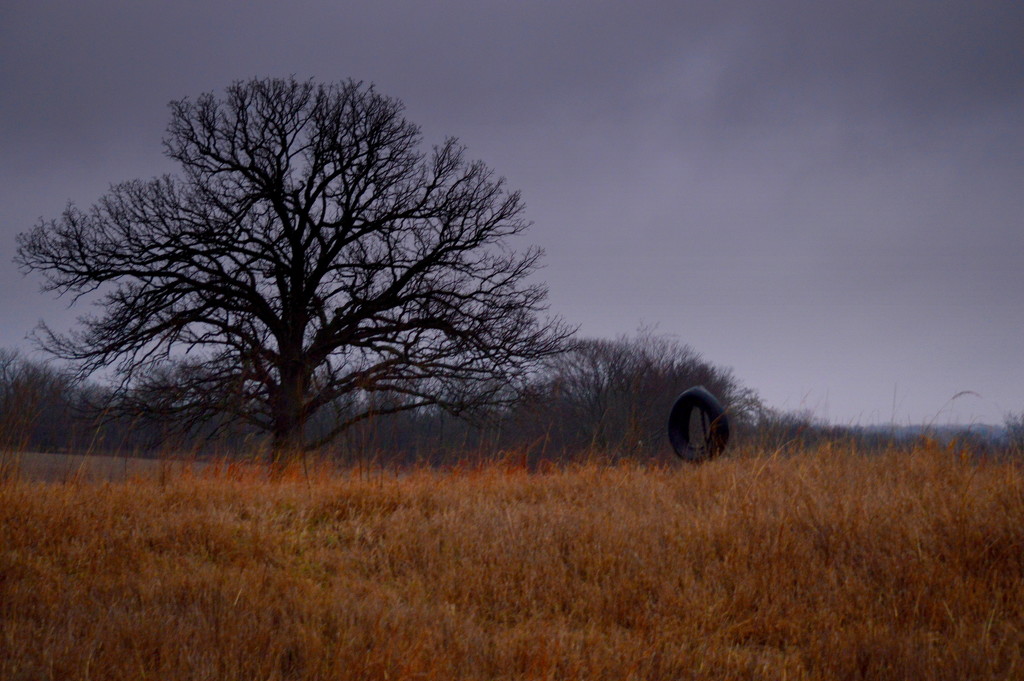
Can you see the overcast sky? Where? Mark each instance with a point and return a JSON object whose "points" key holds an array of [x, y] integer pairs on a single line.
{"points": [[826, 196]]}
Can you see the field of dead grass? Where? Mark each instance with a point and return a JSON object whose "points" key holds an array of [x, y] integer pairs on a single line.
{"points": [[828, 565]]}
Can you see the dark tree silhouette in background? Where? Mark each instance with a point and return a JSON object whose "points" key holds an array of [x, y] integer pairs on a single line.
{"points": [[33, 397], [617, 394], [309, 256]]}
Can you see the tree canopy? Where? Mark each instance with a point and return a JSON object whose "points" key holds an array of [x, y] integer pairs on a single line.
{"points": [[310, 255]]}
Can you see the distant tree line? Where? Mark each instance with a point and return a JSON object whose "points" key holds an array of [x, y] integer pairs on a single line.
{"points": [[607, 397], [603, 398]]}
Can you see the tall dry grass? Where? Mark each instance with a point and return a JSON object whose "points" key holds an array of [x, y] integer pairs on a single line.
{"points": [[828, 565]]}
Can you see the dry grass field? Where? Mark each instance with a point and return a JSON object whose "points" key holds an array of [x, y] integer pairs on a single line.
{"points": [[826, 565]]}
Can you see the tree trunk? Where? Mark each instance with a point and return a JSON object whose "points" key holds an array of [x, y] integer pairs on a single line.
{"points": [[286, 442], [288, 437]]}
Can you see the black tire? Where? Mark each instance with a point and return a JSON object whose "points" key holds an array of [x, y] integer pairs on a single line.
{"points": [[704, 439]]}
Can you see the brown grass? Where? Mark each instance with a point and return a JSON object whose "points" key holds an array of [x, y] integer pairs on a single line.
{"points": [[824, 566]]}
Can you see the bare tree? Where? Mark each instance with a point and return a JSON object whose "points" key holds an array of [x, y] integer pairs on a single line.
{"points": [[36, 403], [309, 254], [617, 394]]}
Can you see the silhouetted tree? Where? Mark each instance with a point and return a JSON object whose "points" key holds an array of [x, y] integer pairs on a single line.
{"points": [[309, 254], [617, 394], [37, 403]]}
